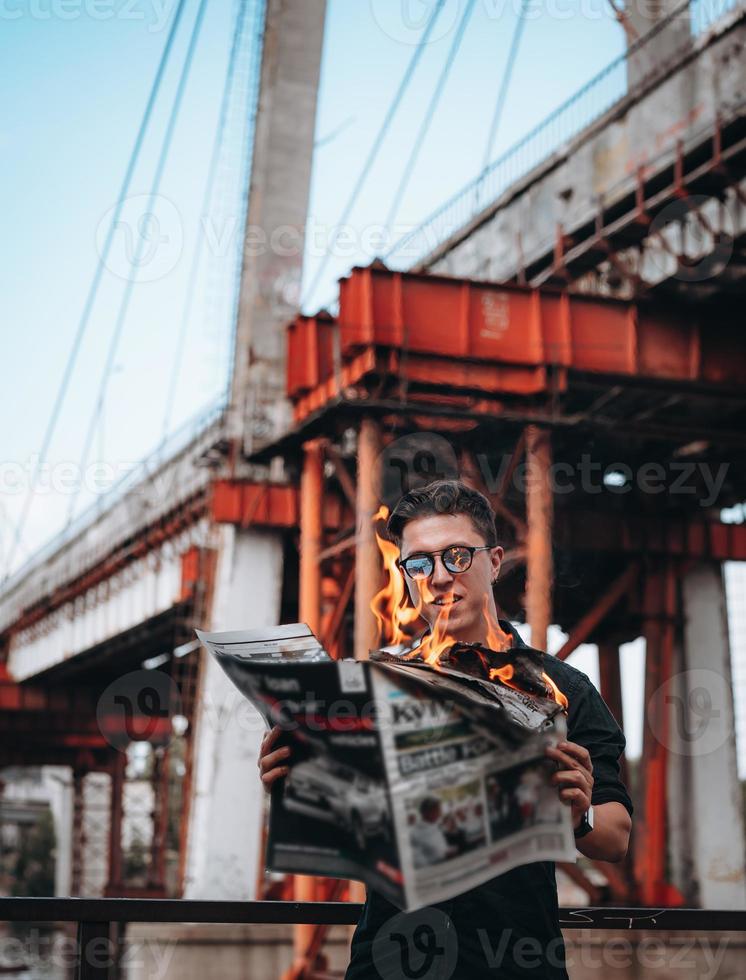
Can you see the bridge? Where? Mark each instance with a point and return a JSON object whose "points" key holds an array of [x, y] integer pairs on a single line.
{"points": [[576, 301]]}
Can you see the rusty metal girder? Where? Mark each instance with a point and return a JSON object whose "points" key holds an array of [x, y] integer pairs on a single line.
{"points": [[495, 341]]}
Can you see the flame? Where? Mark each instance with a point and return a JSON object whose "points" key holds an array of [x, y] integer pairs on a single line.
{"points": [[389, 606], [438, 641], [499, 641], [558, 696], [496, 639], [393, 615]]}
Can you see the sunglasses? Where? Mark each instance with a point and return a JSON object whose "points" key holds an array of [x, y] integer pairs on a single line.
{"points": [[456, 558]]}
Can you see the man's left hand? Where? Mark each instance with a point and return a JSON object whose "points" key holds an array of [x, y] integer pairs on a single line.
{"points": [[574, 777]]}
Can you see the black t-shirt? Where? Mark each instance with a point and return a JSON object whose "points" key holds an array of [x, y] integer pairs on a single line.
{"points": [[509, 926]]}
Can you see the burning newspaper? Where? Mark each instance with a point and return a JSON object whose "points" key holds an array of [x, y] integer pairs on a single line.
{"points": [[421, 781]]}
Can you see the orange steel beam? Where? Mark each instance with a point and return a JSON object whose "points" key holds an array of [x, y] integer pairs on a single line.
{"points": [[642, 535], [518, 453], [595, 615], [539, 524], [114, 883], [367, 557], [500, 339], [470, 471], [340, 470], [660, 606], [311, 534], [343, 601], [250, 503], [610, 674]]}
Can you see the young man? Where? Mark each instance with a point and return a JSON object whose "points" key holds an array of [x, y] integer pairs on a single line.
{"points": [[508, 927]]}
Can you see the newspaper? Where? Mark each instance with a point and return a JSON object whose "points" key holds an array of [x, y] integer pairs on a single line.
{"points": [[421, 782]]}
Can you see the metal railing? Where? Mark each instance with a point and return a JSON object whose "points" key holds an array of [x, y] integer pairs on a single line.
{"points": [[582, 109], [96, 916]]}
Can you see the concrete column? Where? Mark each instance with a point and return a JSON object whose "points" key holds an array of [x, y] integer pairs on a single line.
{"points": [[638, 19], [59, 781], [227, 805], [703, 739], [278, 204]]}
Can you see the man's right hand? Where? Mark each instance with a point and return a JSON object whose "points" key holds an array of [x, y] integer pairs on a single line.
{"points": [[272, 762]]}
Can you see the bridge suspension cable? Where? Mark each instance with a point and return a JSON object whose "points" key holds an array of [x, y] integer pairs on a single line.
{"points": [[429, 114], [141, 239], [502, 92], [93, 290], [239, 31], [376, 146]]}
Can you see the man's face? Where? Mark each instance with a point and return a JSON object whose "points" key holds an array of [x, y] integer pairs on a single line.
{"points": [[461, 596]]}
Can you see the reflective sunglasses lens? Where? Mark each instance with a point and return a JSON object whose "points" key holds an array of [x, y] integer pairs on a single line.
{"points": [[457, 559], [419, 566]]}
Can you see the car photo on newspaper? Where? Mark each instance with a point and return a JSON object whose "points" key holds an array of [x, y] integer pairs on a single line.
{"points": [[328, 790]]}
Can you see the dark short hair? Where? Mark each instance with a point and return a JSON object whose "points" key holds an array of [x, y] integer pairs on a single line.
{"points": [[429, 804], [443, 497]]}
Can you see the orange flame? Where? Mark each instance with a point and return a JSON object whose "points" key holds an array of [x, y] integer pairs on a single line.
{"points": [[558, 696], [393, 616], [438, 640], [496, 639], [389, 606]]}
